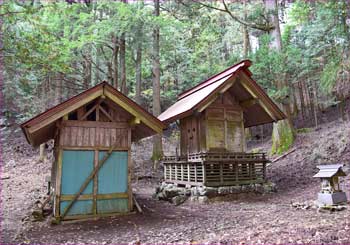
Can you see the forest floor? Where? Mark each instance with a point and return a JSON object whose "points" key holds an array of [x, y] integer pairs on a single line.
{"points": [[240, 218]]}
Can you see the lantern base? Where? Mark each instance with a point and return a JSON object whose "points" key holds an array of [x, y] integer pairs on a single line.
{"points": [[331, 198]]}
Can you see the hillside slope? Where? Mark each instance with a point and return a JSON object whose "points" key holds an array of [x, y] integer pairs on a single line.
{"points": [[244, 218]]}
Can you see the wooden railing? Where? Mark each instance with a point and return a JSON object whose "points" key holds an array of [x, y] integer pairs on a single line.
{"points": [[216, 169], [217, 156], [184, 173], [224, 173]]}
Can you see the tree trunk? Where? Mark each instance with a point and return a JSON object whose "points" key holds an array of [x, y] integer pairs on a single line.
{"points": [[138, 64], [97, 71], [122, 64], [115, 61], [157, 139], [282, 133], [302, 102], [246, 40], [87, 72]]}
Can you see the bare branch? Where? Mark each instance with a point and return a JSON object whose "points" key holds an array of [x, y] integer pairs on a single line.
{"points": [[262, 27]]}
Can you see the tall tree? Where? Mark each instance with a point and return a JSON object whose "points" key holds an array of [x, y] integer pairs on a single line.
{"points": [[122, 63], [157, 139], [138, 62], [282, 134]]}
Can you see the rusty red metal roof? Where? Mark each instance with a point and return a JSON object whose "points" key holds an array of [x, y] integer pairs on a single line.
{"points": [[189, 101]]}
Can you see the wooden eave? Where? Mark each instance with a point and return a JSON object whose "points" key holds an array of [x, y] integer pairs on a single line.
{"points": [[47, 120]]}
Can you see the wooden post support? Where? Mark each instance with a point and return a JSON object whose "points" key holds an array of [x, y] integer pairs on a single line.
{"points": [[165, 174], [188, 173], [236, 170], [204, 174], [221, 173], [87, 181], [195, 172], [171, 171], [182, 172], [94, 206]]}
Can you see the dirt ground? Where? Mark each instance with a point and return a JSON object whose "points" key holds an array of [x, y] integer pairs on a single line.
{"points": [[243, 218]]}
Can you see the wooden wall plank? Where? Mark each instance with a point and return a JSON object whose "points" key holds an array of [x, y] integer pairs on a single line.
{"points": [[107, 137], [92, 136], [73, 136], [113, 136], [86, 138], [79, 136]]}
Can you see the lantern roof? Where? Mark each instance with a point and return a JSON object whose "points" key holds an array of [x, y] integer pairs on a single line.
{"points": [[329, 171]]}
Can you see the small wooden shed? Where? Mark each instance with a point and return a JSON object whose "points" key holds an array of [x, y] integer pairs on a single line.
{"points": [[212, 117], [92, 132]]}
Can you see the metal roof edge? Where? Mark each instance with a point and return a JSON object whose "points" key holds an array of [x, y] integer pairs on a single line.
{"points": [[182, 95]]}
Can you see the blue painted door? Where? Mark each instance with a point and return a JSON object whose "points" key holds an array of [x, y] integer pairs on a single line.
{"points": [[113, 183], [76, 167]]}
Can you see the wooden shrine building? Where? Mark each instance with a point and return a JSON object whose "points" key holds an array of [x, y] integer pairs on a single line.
{"points": [[92, 132], [212, 117]]}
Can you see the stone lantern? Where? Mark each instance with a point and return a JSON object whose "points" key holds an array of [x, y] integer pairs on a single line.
{"points": [[330, 193]]}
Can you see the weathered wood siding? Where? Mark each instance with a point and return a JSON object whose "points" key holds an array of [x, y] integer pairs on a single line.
{"points": [[224, 125], [189, 135], [94, 134]]}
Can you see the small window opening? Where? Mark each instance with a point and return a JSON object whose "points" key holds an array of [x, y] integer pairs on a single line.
{"points": [[73, 115], [92, 115]]}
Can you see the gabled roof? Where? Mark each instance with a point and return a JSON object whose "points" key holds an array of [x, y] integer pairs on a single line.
{"points": [[328, 171], [41, 128], [238, 81]]}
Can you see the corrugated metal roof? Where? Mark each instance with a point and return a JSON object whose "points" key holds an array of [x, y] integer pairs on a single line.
{"points": [[328, 171], [189, 100]]}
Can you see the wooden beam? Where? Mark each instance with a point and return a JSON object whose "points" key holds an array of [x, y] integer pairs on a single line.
{"points": [[134, 121], [88, 112], [65, 111], [94, 124], [106, 113], [248, 103], [228, 85], [133, 111], [244, 83], [213, 97]]}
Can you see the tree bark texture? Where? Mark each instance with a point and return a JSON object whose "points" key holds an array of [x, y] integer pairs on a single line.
{"points": [[157, 139], [282, 133], [115, 61], [138, 64]]}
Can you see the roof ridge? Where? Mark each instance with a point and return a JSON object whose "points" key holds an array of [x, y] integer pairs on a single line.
{"points": [[184, 93]]}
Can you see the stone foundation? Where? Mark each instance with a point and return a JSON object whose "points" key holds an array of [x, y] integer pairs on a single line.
{"points": [[201, 194]]}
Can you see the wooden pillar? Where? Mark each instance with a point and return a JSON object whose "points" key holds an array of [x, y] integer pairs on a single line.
{"points": [[188, 172], [264, 171], [165, 173], [204, 174], [236, 170], [129, 170], [95, 188], [221, 172], [195, 172], [58, 183], [182, 172], [250, 171]]}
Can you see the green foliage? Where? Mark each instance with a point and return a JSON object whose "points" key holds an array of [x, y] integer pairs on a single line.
{"points": [[47, 46], [282, 138], [304, 130]]}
